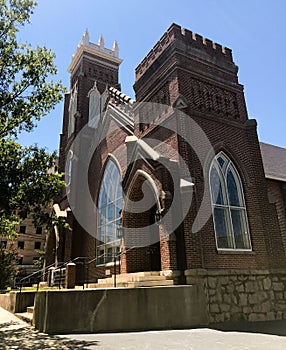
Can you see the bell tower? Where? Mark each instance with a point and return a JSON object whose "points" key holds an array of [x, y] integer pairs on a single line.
{"points": [[93, 69], [93, 65]]}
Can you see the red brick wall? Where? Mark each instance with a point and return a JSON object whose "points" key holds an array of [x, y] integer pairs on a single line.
{"points": [[184, 64], [277, 197], [78, 242], [216, 103]]}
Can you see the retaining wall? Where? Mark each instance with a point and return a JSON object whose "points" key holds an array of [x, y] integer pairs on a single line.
{"points": [[113, 310], [17, 302]]}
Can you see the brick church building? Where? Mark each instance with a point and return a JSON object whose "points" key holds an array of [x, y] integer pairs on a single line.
{"points": [[173, 181]]}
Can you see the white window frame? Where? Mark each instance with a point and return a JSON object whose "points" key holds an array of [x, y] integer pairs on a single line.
{"points": [[94, 107], [97, 104], [69, 168], [222, 173]]}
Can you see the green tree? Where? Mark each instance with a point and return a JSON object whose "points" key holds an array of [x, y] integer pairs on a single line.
{"points": [[27, 93], [41, 259], [8, 260]]}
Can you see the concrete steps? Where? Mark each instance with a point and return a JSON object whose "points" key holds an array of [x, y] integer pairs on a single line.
{"points": [[27, 316], [30, 309], [41, 285], [134, 280]]}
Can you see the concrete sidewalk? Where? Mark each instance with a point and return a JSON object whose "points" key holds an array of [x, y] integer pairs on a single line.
{"points": [[9, 321], [16, 334]]}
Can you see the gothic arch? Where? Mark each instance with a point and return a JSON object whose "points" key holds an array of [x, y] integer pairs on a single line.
{"points": [[140, 173], [109, 208], [221, 147], [229, 209], [141, 242]]}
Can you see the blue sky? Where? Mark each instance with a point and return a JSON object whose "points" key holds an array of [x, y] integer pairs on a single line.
{"points": [[254, 29]]}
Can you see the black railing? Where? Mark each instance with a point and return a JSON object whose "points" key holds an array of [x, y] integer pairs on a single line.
{"points": [[38, 276], [82, 270], [33, 278]]}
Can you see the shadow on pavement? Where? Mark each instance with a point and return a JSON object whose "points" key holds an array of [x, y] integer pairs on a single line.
{"points": [[27, 338], [265, 327]]}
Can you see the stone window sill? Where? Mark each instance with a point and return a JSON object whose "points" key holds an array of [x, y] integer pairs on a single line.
{"points": [[236, 252]]}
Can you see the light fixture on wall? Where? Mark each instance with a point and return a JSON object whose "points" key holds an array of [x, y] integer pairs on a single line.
{"points": [[120, 228], [120, 231]]}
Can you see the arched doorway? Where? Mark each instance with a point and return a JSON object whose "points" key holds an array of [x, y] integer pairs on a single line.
{"points": [[141, 242]]}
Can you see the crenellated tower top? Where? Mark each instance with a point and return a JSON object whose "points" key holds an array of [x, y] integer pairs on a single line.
{"points": [[196, 41], [85, 45]]}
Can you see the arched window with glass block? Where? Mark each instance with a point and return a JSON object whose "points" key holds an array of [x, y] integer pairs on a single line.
{"points": [[228, 206], [109, 211]]}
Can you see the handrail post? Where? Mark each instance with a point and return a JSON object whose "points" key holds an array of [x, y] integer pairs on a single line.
{"points": [[60, 278], [87, 272], [114, 271], [84, 273]]}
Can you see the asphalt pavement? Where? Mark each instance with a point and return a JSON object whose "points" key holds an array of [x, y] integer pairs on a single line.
{"points": [[16, 334]]}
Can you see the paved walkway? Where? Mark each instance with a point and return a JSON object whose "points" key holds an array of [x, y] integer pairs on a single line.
{"points": [[15, 334]]}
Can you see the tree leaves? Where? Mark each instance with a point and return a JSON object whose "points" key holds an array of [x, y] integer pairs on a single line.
{"points": [[28, 183], [8, 260], [27, 93]]}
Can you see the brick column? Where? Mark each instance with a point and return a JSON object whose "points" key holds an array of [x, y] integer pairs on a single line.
{"points": [[70, 275]]}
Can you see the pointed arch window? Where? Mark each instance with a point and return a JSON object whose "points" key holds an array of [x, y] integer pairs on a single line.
{"points": [[228, 206], [109, 210], [97, 104], [94, 107], [69, 167], [72, 111]]}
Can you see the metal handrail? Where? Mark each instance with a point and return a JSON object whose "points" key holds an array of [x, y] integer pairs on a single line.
{"points": [[44, 271], [63, 265], [114, 258], [35, 273]]}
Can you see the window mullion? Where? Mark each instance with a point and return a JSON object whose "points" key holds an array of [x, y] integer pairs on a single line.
{"points": [[233, 208], [228, 218]]}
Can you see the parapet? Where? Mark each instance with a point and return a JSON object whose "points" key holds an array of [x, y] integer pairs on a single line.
{"points": [[176, 32], [98, 50]]}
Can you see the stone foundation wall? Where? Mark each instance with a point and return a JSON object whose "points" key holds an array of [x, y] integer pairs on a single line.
{"points": [[251, 295]]}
